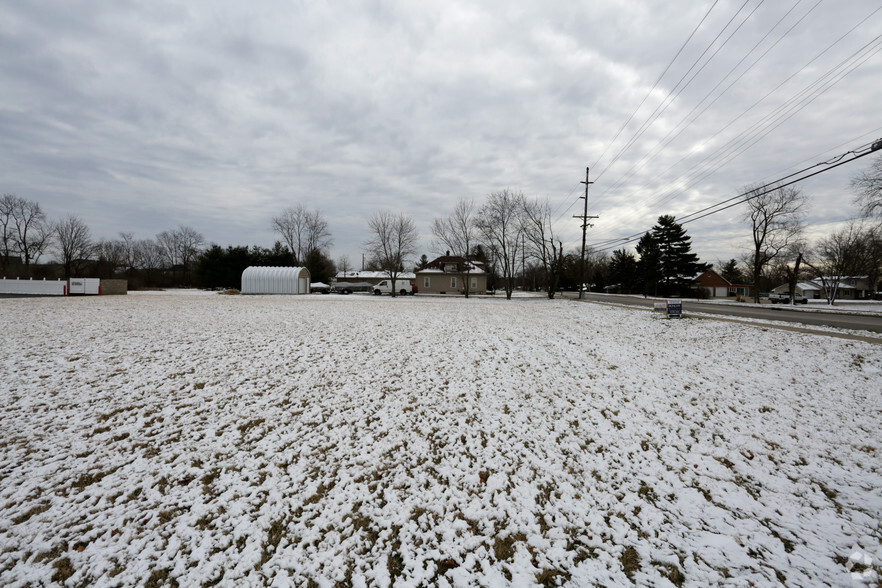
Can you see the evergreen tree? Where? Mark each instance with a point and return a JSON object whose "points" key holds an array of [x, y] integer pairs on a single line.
{"points": [[679, 265], [278, 256], [649, 268], [623, 271], [732, 272], [217, 267], [321, 267]]}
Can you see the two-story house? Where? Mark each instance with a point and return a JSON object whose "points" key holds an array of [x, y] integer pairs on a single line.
{"points": [[452, 274]]}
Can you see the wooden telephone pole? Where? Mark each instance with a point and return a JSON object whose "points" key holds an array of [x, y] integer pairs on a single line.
{"points": [[584, 216]]}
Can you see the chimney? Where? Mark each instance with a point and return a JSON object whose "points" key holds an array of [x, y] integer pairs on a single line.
{"points": [[448, 253]]}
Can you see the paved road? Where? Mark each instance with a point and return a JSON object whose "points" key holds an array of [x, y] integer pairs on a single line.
{"points": [[772, 313]]}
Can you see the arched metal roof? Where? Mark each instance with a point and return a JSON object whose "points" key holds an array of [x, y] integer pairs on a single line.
{"points": [[275, 280]]}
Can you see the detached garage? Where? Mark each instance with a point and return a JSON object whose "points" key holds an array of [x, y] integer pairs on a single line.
{"points": [[275, 280]]}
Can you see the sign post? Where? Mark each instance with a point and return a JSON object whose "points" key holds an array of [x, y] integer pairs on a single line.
{"points": [[675, 308]]}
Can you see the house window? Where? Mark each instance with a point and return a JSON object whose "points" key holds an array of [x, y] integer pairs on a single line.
{"points": [[474, 283], [426, 282], [453, 282]]}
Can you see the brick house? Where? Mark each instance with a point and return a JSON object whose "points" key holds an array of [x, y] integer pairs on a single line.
{"points": [[717, 286]]}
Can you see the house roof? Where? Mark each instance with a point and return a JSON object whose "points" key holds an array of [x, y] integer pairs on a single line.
{"points": [[370, 274], [438, 265], [840, 285], [711, 271]]}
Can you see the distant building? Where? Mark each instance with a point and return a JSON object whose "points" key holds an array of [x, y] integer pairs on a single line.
{"points": [[847, 288], [449, 274], [717, 286]]}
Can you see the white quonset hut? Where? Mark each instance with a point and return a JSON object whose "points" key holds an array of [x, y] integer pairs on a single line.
{"points": [[275, 280]]}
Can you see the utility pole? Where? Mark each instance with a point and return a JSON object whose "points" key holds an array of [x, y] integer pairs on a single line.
{"points": [[584, 216]]}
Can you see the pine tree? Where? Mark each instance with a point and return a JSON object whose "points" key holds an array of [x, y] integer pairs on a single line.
{"points": [[649, 268], [623, 270], [679, 265], [732, 272]]}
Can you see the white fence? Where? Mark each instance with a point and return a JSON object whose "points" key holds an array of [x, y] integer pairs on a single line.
{"points": [[34, 287]]}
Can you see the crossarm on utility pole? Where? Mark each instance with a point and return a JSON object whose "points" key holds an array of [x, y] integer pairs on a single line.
{"points": [[584, 216]]}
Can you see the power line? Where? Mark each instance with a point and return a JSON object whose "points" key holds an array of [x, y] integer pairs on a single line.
{"points": [[660, 109], [828, 161], [680, 128], [762, 128], [719, 157], [655, 85], [639, 106], [744, 197]]}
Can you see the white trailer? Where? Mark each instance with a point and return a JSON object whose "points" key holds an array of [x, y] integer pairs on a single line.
{"points": [[84, 286], [33, 287]]}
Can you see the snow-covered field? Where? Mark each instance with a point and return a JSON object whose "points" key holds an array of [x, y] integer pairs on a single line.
{"points": [[321, 440]]}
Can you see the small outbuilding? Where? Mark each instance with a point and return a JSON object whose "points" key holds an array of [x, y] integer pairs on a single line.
{"points": [[275, 280]]}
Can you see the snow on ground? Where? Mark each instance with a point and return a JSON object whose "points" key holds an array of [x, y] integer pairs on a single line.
{"points": [[862, 307], [230, 440]]}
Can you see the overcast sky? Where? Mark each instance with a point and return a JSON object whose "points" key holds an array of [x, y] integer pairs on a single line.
{"points": [[141, 116]]}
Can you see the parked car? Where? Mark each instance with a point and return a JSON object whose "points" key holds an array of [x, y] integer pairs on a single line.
{"points": [[785, 298]]}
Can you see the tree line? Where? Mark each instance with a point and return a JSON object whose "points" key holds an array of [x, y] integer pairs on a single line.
{"points": [[26, 235], [512, 237], [780, 252], [173, 258]]}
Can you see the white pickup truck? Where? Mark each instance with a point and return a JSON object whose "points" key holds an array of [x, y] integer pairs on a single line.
{"points": [[402, 287]]}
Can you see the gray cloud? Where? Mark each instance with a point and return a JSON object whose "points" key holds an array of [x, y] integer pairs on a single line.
{"points": [[139, 116]]}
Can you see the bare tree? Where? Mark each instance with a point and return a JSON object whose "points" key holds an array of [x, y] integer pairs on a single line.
{"points": [[149, 255], [291, 225], [868, 185], [179, 248], [393, 240], [7, 243], [541, 243], [839, 256], [112, 254], [791, 265], [73, 242], [318, 237], [501, 226], [168, 246], [303, 231], [457, 233], [873, 267], [31, 234], [129, 252], [343, 264], [191, 243], [775, 217], [597, 264]]}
